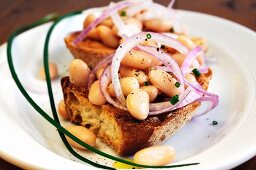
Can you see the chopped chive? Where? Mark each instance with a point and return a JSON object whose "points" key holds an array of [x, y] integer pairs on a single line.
{"points": [[123, 13], [148, 36], [196, 72], [174, 99], [214, 122], [146, 83], [177, 84]]}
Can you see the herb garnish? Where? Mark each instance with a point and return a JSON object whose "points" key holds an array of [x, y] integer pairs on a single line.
{"points": [[196, 72], [123, 13], [148, 36], [177, 84], [174, 99]]}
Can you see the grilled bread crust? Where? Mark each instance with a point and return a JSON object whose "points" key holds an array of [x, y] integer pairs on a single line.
{"points": [[88, 50], [118, 128]]}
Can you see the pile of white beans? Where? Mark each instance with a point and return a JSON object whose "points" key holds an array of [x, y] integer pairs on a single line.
{"points": [[107, 32], [141, 82]]}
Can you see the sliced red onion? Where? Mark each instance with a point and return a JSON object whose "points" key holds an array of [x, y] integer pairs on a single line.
{"points": [[172, 35], [106, 61], [193, 96], [163, 68], [171, 4], [177, 26], [189, 59], [105, 80], [213, 101], [118, 22], [129, 44], [109, 11], [203, 69], [199, 89], [124, 30], [158, 108], [166, 60], [135, 9], [205, 96]]}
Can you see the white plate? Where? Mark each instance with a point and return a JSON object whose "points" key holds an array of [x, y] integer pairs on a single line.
{"points": [[29, 141]]}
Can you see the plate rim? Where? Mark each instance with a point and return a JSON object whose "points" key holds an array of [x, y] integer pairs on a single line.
{"points": [[246, 156]]}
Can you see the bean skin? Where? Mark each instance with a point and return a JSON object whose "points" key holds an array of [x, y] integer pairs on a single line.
{"points": [[79, 72], [83, 134], [164, 82], [138, 104], [155, 156], [62, 110], [95, 96]]}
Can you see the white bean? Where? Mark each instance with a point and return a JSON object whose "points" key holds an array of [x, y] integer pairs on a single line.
{"points": [[198, 41], [132, 24], [107, 36], [164, 82], [83, 134], [138, 59], [100, 71], [88, 20], [186, 41], [95, 96], [128, 84], [138, 104], [93, 34], [62, 110], [190, 77], [53, 70], [79, 72], [158, 25], [111, 90], [152, 92], [107, 22], [130, 72], [133, 21], [155, 156], [179, 58]]}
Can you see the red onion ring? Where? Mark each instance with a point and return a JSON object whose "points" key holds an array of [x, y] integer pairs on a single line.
{"points": [[104, 82], [214, 102], [129, 44], [91, 77], [103, 16], [167, 61], [171, 4], [135, 9], [204, 69], [198, 88], [189, 59], [158, 108], [124, 30]]}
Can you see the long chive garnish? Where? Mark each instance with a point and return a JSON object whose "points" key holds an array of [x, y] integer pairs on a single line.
{"points": [[30, 100], [56, 122]]}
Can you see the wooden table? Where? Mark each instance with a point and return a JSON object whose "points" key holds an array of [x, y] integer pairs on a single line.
{"points": [[14, 14]]}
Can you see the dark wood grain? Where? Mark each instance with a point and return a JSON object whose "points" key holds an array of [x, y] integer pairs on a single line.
{"points": [[16, 13]]}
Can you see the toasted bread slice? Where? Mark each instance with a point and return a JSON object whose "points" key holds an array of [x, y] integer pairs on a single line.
{"points": [[118, 128], [88, 50]]}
